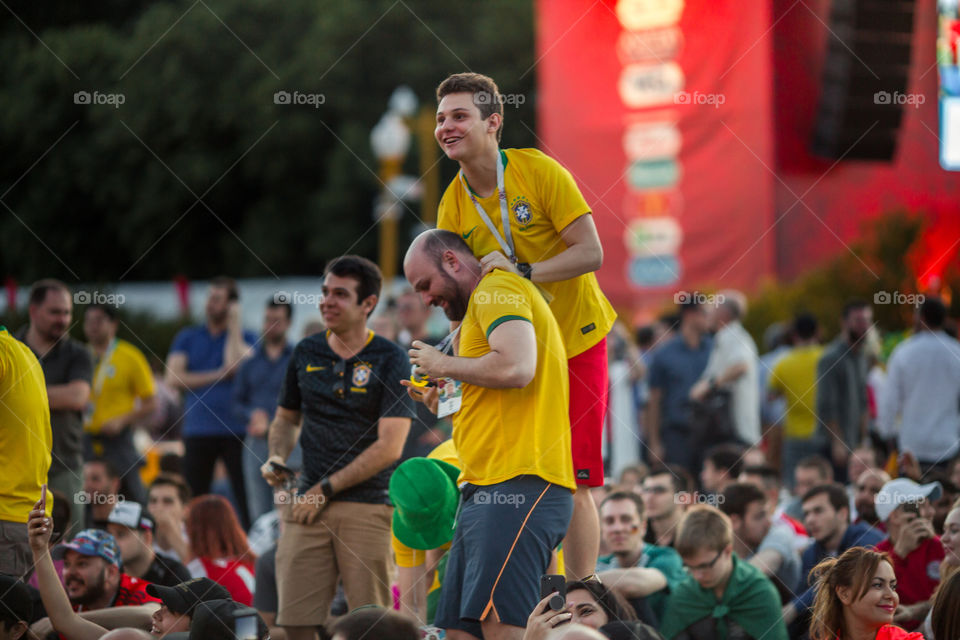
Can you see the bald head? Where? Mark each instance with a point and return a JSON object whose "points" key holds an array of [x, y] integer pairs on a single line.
{"points": [[575, 632], [442, 270], [127, 634]]}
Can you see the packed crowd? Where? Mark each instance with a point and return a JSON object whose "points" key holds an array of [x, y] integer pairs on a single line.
{"points": [[376, 481]]}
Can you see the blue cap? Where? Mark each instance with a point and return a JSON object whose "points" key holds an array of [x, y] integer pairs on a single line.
{"points": [[91, 542]]}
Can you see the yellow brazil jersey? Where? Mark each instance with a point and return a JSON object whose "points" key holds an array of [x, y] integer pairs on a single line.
{"points": [[25, 436], [795, 378], [119, 379], [504, 433], [542, 199]]}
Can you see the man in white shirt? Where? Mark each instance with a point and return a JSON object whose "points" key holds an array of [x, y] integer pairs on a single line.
{"points": [[923, 391], [733, 366]]}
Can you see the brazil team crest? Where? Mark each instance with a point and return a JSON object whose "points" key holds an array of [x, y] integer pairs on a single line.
{"points": [[522, 211], [361, 375]]}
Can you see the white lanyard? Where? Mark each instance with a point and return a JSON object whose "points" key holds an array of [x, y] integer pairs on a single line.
{"points": [[505, 244]]}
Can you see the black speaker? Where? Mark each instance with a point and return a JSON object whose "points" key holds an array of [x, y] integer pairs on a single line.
{"points": [[865, 74]]}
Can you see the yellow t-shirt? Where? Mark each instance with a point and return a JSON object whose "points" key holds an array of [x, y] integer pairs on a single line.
{"points": [[504, 433], [25, 436], [126, 378], [542, 199], [795, 378]]}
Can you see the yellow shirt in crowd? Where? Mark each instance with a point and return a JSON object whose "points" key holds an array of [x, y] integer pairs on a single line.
{"points": [[25, 436], [504, 433], [118, 381], [795, 378], [542, 199]]}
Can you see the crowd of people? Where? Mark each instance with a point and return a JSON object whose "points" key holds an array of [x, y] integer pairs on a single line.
{"points": [[375, 480]]}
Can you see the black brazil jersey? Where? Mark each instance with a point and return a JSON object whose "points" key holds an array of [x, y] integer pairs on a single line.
{"points": [[342, 402]]}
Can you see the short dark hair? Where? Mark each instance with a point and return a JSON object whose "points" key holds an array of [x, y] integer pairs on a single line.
{"points": [[805, 326], [644, 336], [228, 283], [38, 290], [835, 493], [366, 274], [726, 456], [627, 495], [175, 481], [376, 622], [852, 305], [107, 310], [819, 463], [687, 305], [108, 466], [738, 496], [680, 477], [933, 312], [273, 303], [770, 476], [486, 94]]}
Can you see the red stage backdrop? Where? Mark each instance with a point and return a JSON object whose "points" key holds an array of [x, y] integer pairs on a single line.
{"points": [[662, 110]]}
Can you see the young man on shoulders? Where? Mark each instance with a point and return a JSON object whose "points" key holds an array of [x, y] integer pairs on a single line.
{"points": [[519, 210]]}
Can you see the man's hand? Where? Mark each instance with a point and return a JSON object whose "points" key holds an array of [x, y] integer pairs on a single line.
{"points": [[909, 466], [233, 315], [543, 620], [429, 396], [496, 260], [168, 527], [699, 390], [429, 361], [39, 529], [307, 506], [911, 535], [113, 426], [259, 422], [273, 478]]}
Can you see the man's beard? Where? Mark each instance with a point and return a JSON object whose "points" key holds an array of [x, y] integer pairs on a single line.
{"points": [[456, 302], [93, 592]]}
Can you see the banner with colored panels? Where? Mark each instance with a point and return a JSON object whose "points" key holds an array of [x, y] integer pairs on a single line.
{"points": [[661, 109]]}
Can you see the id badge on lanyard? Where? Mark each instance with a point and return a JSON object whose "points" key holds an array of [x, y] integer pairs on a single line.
{"points": [[450, 391], [506, 240]]}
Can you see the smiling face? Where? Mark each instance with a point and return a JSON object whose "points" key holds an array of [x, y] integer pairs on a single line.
{"points": [[86, 577], [461, 130], [585, 609], [438, 285], [878, 604], [166, 621], [340, 306], [951, 538], [621, 526]]}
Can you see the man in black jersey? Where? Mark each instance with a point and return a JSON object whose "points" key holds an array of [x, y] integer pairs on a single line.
{"points": [[345, 385]]}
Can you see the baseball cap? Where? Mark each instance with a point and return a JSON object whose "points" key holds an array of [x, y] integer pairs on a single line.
{"points": [[91, 542], [184, 597], [131, 514], [15, 602], [215, 620], [425, 496], [904, 491]]}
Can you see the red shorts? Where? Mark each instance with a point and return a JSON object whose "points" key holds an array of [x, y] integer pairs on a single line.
{"points": [[588, 406]]}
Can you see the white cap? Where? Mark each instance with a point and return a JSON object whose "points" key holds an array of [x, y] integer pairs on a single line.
{"points": [[904, 491]]}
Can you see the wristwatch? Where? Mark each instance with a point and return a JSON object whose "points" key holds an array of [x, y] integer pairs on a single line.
{"points": [[326, 487], [526, 269]]}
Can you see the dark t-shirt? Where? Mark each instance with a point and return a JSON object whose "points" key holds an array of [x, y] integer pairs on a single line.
{"points": [[166, 572], [69, 360], [342, 403], [675, 368]]}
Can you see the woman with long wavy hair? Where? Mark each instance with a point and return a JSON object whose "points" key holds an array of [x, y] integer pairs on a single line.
{"points": [[856, 598], [219, 548]]}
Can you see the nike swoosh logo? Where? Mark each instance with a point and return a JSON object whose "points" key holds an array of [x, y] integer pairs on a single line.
{"points": [[311, 368], [467, 234]]}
